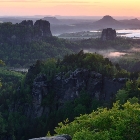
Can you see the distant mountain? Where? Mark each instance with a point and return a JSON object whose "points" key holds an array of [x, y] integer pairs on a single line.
{"points": [[60, 26], [134, 21], [12, 20], [108, 22], [52, 20]]}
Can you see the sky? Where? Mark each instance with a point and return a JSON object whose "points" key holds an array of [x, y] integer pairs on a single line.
{"points": [[70, 7]]}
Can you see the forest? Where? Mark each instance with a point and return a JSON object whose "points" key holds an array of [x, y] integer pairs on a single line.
{"points": [[99, 119]]}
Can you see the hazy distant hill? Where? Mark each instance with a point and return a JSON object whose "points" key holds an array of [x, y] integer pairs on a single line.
{"points": [[87, 25], [12, 20], [72, 25], [56, 21], [52, 20], [134, 21], [107, 22]]}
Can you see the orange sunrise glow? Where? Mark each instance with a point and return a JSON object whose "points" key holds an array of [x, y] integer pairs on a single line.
{"points": [[70, 7]]}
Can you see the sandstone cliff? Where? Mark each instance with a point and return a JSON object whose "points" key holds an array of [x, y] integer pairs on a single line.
{"points": [[48, 96], [67, 87], [108, 34], [25, 31]]}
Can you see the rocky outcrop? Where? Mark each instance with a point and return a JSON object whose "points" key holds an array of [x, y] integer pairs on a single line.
{"points": [[110, 87], [40, 89], [67, 87], [24, 31], [108, 34], [59, 137], [64, 87], [44, 28], [27, 23], [81, 79]]}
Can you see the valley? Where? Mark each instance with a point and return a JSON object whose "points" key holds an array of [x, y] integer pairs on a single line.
{"points": [[48, 81]]}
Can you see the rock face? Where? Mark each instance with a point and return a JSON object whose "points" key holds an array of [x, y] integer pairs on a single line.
{"points": [[27, 23], [24, 31], [60, 137], [81, 79], [67, 87], [44, 27], [39, 90], [108, 34]]}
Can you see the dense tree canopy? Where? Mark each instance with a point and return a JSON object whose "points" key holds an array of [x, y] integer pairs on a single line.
{"points": [[25, 54], [121, 122], [16, 93]]}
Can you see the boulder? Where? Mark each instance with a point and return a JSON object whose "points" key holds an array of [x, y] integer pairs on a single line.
{"points": [[59, 137]]}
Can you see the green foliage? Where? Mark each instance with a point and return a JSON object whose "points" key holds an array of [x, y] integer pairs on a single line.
{"points": [[16, 95], [2, 125], [119, 123], [122, 73], [1, 62], [132, 89], [94, 62], [79, 109], [50, 68], [81, 105], [91, 61], [16, 89], [48, 100], [8, 95], [25, 54], [133, 100], [118, 44], [122, 96], [83, 60]]}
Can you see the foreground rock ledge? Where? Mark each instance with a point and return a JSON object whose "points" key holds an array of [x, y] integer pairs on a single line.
{"points": [[59, 137]]}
